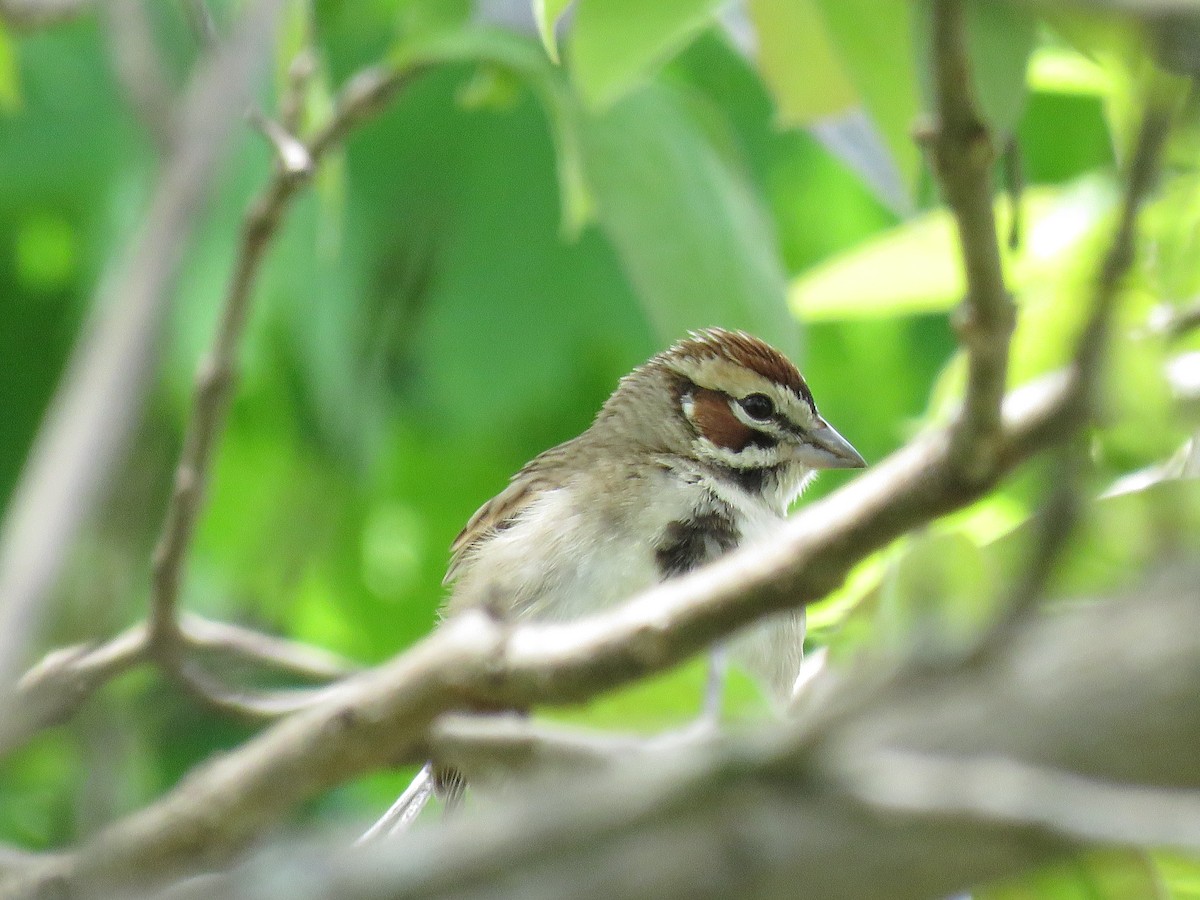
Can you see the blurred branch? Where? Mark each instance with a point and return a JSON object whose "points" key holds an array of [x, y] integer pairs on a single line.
{"points": [[54, 689], [29, 15], [808, 802], [100, 397], [140, 70], [290, 152], [482, 746], [203, 26], [962, 153], [1001, 789], [1143, 170], [292, 658]]}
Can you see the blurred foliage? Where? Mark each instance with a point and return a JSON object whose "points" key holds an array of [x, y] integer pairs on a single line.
{"points": [[479, 265]]}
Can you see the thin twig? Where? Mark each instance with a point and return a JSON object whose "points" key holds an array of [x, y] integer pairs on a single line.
{"points": [[1063, 507], [962, 153], [54, 689], [167, 640], [204, 27], [289, 151], [217, 375], [1177, 323], [100, 397], [298, 660]]}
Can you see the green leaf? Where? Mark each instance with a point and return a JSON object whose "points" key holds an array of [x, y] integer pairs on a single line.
{"points": [[1121, 535], [874, 40], [1000, 39], [617, 43], [10, 79], [521, 58], [547, 13], [688, 228], [428, 18], [799, 63], [938, 589]]}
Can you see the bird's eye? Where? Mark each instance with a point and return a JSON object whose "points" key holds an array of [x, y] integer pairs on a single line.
{"points": [[758, 406]]}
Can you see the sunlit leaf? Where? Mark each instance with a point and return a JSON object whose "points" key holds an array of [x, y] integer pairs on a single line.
{"points": [[1181, 875], [428, 18], [669, 699], [833, 609], [921, 260], [1061, 70], [937, 589], [798, 61], [616, 43], [688, 229]]}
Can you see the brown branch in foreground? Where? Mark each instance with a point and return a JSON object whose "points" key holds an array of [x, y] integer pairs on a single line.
{"points": [[915, 788], [95, 407], [962, 153], [383, 717]]}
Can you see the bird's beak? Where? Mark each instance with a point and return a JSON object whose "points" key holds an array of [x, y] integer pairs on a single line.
{"points": [[824, 448]]}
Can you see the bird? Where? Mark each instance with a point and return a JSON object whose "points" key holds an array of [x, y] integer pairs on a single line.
{"points": [[700, 450]]}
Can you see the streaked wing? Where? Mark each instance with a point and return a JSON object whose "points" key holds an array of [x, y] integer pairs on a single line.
{"points": [[541, 474]]}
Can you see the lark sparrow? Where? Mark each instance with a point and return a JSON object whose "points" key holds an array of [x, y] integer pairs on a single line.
{"points": [[699, 451]]}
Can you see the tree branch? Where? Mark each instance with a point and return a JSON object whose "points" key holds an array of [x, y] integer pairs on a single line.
{"points": [[217, 375], [54, 689], [382, 717], [30, 15], [1061, 511], [100, 397], [963, 153], [822, 802]]}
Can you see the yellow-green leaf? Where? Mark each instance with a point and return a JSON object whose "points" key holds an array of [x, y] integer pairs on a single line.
{"points": [[799, 63], [914, 268], [547, 13], [617, 43], [874, 40]]}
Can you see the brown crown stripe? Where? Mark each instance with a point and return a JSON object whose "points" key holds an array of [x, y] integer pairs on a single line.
{"points": [[745, 350]]}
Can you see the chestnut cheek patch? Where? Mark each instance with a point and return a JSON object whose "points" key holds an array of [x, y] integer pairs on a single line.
{"points": [[715, 420]]}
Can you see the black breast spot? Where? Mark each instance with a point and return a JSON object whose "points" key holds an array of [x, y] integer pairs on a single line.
{"points": [[689, 543]]}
